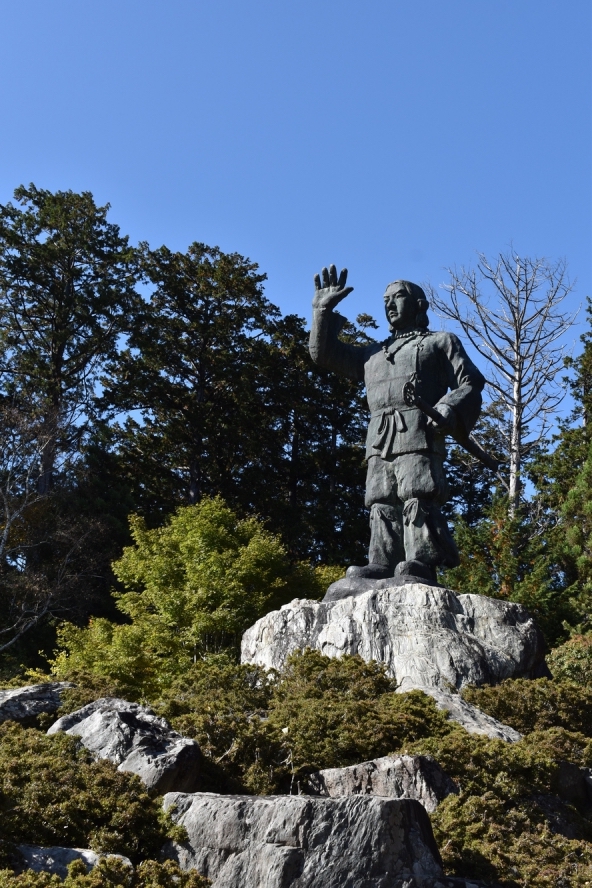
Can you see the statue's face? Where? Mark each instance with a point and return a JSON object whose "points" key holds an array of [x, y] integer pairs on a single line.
{"points": [[400, 307]]}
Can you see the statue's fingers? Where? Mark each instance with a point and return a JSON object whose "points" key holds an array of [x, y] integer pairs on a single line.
{"points": [[326, 281], [342, 279], [317, 280], [333, 275]]}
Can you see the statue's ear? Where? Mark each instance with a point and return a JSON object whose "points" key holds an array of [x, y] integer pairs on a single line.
{"points": [[421, 319]]}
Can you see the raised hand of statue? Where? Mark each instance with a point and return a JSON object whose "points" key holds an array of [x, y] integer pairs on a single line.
{"points": [[329, 289]]}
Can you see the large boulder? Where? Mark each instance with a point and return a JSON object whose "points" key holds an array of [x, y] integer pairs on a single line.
{"points": [[426, 636], [25, 704], [136, 740], [56, 860], [418, 777], [303, 842]]}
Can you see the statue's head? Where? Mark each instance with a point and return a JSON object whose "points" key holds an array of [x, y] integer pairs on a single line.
{"points": [[406, 305]]}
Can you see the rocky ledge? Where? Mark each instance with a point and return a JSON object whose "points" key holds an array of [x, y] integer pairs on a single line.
{"points": [[426, 636], [360, 841], [134, 738], [418, 777]]}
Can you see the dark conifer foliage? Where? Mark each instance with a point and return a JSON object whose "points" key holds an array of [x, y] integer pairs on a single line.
{"points": [[67, 278], [217, 394], [67, 287]]}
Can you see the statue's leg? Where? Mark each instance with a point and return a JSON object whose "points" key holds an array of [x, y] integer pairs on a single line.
{"points": [[423, 488], [386, 548], [386, 535]]}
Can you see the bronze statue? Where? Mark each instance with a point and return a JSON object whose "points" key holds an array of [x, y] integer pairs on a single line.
{"points": [[421, 386]]}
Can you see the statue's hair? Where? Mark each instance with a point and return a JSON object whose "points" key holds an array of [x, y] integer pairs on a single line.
{"points": [[420, 297]]}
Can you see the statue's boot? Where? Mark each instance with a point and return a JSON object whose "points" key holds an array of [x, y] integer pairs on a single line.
{"points": [[370, 571], [386, 543], [417, 570]]}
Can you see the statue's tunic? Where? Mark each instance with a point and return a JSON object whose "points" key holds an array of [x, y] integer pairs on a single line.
{"points": [[438, 365]]}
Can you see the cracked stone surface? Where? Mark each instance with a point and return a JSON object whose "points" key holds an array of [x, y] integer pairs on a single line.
{"points": [[426, 636], [25, 704], [304, 842], [418, 777], [136, 740]]}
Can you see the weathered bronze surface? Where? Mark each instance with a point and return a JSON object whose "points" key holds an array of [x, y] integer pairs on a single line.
{"points": [[405, 448]]}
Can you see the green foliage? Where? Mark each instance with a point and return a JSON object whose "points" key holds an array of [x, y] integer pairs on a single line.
{"points": [[266, 731], [506, 824], [223, 398], [109, 873], [535, 705], [337, 712], [192, 586], [53, 793], [224, 707], [572, 661], [508, 558], [576, 529]]}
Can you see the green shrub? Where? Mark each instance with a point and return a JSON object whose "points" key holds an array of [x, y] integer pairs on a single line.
{"points": [[108, 874], [264, 730], [507, 825], [534, 705], [53, 793], [192, 587], [224, 707], [572, 661], [337, 712]]}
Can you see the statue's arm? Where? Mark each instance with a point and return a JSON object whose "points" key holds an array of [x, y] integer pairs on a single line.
{"points": [[465, 382], [326, 349]]}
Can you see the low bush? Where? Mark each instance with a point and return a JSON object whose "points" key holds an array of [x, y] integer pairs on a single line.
{"points": [[266, 731], [109, 874], [572, 661], [337, 712], [53, 793], [507, 825], [535, 705]]}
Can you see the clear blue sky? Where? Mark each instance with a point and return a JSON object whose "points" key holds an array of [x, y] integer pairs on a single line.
{"points": [[396, 137]]}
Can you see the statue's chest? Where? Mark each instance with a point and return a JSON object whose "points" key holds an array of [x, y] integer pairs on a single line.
{"points": [[397, 362]]}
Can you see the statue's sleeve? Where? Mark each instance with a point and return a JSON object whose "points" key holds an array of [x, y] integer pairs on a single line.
{"points": [[465, 382], [328, 351]]}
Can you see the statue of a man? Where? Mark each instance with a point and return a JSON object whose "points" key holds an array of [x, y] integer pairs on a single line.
{"points": [[405, 448]]}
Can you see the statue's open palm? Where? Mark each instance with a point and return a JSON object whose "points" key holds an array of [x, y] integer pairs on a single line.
{"points": [[329, 289]]}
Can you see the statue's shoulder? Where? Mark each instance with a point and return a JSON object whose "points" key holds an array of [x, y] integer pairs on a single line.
{"points": [[442, 339]]}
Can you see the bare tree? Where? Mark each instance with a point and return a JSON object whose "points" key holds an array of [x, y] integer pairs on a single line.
{"points": [[510, 311]]}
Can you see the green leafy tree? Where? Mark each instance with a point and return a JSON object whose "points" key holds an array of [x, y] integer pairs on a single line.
{"points": [[563, 478], [191, 376], [191, 587], [223, 398], [67, 279]]}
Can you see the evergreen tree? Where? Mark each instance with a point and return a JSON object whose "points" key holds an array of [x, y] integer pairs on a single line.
{"points": [[67, 281], [222, 397], [67, 286]]}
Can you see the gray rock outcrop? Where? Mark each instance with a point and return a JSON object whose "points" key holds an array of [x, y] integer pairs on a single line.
{"points": [[426, 636], [417, 777], [56, 860], [303, 842], [472, 719], [136, 740], [25, 704]]}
